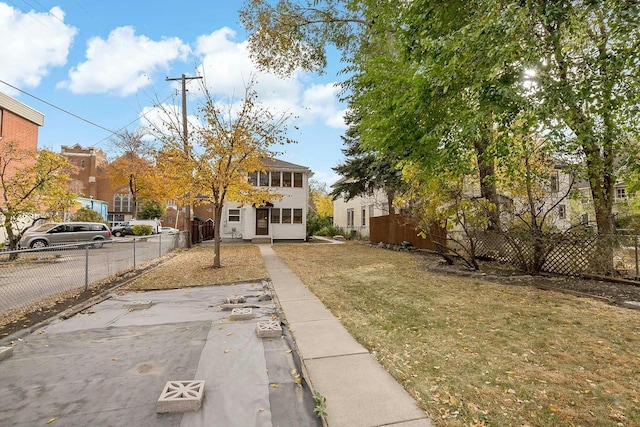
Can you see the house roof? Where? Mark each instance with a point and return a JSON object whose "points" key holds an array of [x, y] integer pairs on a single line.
{"points": [[272, 163], [20, 109]]}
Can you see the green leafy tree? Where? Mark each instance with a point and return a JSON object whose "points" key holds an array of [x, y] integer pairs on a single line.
{"points": [[151, 210], [86, 214]]}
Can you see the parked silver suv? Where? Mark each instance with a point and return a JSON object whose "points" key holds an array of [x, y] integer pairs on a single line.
{"points": [[65, 232]]}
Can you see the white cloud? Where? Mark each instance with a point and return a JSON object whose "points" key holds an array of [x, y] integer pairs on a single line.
{"points": [[165, 119], [123, 63], [227, 69], [32, 44], [327, 177], [321, 102]]}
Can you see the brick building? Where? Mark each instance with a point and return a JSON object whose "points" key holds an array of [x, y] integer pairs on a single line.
{"points": [[19, 122]]}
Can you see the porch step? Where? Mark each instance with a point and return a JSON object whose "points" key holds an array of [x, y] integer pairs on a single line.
{"points": [[259, 240]]}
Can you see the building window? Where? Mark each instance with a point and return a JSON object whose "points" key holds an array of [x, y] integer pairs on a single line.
{"points": [[297, 216], [286, 179], [275, 179], [234, 215], [562, 212], [286, 216], [275, 215], [621, 193], [350, 217], [253, 178], [82, 163], [1, 122], [264, 179], [297, 179], [122, 202], [555, 183], [363, 211], [584, 219], [169, 220], [172, 204]]}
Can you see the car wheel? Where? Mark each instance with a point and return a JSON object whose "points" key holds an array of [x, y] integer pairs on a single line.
{"points": [[98, 244], [39, 244], [117, 233]]}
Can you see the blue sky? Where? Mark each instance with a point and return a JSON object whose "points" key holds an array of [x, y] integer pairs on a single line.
{"points": [[106, 61]]}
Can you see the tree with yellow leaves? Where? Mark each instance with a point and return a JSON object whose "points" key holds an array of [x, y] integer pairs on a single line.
{"points": [[33, 186], [136, 168], [212, 167]]}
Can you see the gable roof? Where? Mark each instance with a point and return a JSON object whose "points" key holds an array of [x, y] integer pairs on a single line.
{"points": [[272, 163], [20, 109]]}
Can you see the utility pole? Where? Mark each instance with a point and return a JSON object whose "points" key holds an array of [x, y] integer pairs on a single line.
{"points": [[185, 140]]}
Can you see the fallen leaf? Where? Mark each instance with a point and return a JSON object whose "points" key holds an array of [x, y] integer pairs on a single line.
{"points": [[51, 420], [227, 351], [113, 359], [288, 351], [260, 409], [554, 408], [274, 386], [229, 333]]}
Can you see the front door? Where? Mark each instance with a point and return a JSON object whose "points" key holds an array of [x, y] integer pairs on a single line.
{"points": [[262, 222]]}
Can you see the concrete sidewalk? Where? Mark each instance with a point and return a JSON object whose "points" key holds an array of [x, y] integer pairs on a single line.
{"points": [[358, 390]]}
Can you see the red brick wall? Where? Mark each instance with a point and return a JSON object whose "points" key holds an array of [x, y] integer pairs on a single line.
{"points": [[16, 128]]}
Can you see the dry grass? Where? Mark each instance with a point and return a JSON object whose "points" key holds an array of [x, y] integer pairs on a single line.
{"points": [[194, 268], [476, 353]]}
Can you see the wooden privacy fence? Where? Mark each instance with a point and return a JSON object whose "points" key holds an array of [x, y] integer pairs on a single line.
{"points": [[201, 231], [395, 229]]}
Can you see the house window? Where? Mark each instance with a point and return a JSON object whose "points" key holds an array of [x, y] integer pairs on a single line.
{"points": [[584, 219], [286, 216], [363, 211], [234, 215], [297, 179], [275, 215], [264, 179], [621, 193], [253, 178], [562, 212], [555, 184], [275, 179], [286, 179], [122, 202], [297, 216], [82, 163], [350, 217]]}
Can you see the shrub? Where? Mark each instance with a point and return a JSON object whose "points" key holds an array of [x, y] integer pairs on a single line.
{"points": [[86, 214], [329, 231], [142, 230], [316, 223]]}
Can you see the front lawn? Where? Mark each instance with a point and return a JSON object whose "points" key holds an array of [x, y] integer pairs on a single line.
{"points": [[476, 353]]}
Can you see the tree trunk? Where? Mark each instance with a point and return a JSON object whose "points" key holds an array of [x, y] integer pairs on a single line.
{"points": [[217, 235], [391, 194], [488, 189]]}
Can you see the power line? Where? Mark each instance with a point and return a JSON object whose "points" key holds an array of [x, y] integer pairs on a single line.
{"points": [[60, 108]]}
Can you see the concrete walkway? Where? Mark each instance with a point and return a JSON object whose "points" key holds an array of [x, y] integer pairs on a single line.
{"points": [[359, 392]]}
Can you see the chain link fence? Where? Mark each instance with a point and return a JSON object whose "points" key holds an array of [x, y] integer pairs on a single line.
{"points": [[28, 277]]}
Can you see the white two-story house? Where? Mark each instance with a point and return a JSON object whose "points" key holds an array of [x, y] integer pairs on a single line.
{"points": [[280, 220]]}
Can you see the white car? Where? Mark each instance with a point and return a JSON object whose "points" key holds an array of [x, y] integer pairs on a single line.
{"points": [[169, 230]]}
